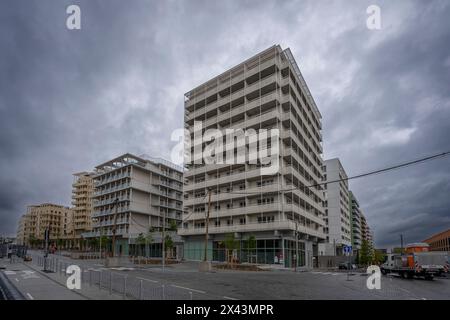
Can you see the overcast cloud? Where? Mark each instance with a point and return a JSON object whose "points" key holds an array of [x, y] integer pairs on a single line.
{"points": [[70, 100]]}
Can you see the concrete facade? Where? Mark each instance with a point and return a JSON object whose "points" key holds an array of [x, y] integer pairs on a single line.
{"points": [[280, 210], [356, 222], [149, 194], [82, 201], [57, 218], [337, 212]]}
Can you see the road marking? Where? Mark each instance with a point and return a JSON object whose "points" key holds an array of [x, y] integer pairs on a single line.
{"points": [[154, 281], [335, 274], [229, 298], [199, 291], [16, 279], [30, 296], [9, 272], [424, 298]]}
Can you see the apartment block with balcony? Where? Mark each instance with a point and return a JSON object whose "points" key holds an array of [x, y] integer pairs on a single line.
{"points": [[56, 218], [82, 201], [366, 232], [280, 210], [149, 197], [355, 212], [337, 211]]}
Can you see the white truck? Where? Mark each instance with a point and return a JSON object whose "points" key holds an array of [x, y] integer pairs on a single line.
{"points": [[420, 264]]}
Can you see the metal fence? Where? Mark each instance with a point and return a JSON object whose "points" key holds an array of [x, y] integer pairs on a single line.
{"points": [[129, 287]]}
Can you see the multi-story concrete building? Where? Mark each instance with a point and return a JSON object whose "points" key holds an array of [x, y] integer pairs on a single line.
{"points": [[282, 209], [439, 241], [21, 230], [56, 218], [355, 213], [148, 192], [337, 212], [366, 233], [82, 201]]}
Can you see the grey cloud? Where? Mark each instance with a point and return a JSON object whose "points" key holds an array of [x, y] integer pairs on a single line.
{"points": [[72, 99]]}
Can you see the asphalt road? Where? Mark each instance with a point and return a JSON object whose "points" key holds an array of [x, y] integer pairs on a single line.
{"points": [[269, 285]]}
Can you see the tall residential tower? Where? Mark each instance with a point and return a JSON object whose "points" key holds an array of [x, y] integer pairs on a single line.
{"points": [[282, 210]]}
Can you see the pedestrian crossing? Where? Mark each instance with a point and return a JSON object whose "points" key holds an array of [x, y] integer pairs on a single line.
{"points": [[328, 273]]}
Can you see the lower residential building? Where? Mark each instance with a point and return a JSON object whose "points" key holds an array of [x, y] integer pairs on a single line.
{"points": [[139, 196]]}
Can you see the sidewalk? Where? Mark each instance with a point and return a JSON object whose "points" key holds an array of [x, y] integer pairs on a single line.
{"points": [[37, 285]]}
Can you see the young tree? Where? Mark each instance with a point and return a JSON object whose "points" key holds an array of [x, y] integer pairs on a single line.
{"points": [[168, 244], [366, 255], [231, 244], [148, 240], [173, 225], [251, 247], [140, 241]]}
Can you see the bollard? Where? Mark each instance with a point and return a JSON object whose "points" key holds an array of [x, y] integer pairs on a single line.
{"points": [[125, 287], [90, 278], [190, 295], [110, 282], [163, 292], [141, 291], [100, 281]]}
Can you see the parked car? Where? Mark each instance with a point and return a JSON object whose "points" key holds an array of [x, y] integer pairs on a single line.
{"points": [[347, 266]]}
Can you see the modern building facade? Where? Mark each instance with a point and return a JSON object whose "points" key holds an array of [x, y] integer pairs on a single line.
{"points": [[439, 241], [283, 209], [366, 232], [56, 218], [355, 213], [337, 212], [82, 201], [138, 195]]}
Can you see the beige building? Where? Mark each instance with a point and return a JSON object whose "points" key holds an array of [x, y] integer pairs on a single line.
{"points": [[144, 194], [82, 201], [366, 233], [279, 209], [57, 218], [21, 230]]}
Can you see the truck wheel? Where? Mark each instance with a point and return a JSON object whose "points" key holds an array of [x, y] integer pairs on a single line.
{"points": [[409, 275], [383, 271], [428, 277]]}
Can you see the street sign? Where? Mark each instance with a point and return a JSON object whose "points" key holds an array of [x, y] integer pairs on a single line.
{"points": [[347, 249]]}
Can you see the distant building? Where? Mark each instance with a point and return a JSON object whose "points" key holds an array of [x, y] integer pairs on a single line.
{"points": [[355, 213], [337, 212], [56, 218], [82, 201], [439, 241], [366, 232]]}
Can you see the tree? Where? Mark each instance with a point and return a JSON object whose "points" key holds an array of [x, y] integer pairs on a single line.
{"points": [[366, 256], [32, 240], [140, 240], [148, 240], [378, 257], [168, 244], [231, 244], [173, 225], [250, 245]]}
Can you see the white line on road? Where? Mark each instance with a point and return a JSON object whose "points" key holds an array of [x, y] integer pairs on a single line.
{"points": [[30, 296], [154, 281], [16, 279], [229, 298], [199, 291]]}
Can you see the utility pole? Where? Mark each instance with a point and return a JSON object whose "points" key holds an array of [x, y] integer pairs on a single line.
{"points": [[401, 244], [296, 246], [207, 224], [116, 205], [163, 241]]}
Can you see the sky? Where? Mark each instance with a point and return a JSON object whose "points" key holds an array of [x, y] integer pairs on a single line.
{"points": [[72, 99]]}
